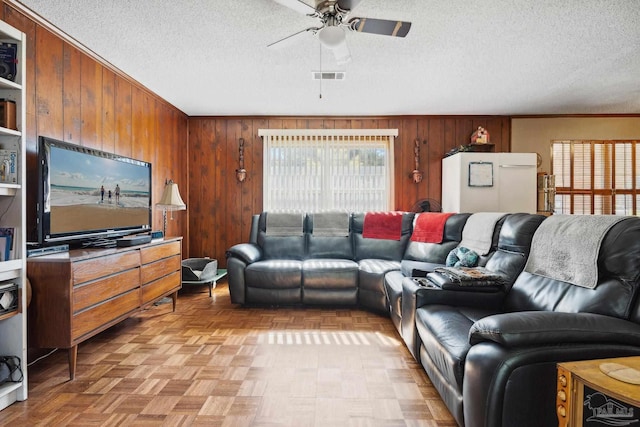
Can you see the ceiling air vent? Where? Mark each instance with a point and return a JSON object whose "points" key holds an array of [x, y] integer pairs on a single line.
{"points": [[328, 75]]}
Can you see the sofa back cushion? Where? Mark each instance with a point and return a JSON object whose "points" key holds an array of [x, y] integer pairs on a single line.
{"points": [[291, 246], [367, 248], [326, 245], [437, 252], [514, 244], [495, 237], [616, 293]]}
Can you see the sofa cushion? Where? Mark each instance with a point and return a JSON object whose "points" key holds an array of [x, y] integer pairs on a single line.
{"points": [[274, 274], [620, 251], [444, 332], [372, 273], [482, 261], [514, 243], [531, 328], [517, 232], [477, 234], [330, 282], [329, 242], [380, 248], [429, 252], [532, 292], [280, 247], [437, 252], [616, 293], [329, 274]]}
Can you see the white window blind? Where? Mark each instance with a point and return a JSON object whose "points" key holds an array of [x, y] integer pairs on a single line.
{"points": [[315, 170], [597, 177]]}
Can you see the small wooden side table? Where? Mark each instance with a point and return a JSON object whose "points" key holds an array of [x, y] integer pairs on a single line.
{"points": [[588, 397]]}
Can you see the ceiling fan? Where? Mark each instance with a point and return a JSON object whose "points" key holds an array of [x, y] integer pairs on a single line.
{"points": [[334, 20]]}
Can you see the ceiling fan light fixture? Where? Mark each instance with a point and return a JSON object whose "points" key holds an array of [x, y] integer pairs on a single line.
{"points": [[331, 37], [342, 54]]}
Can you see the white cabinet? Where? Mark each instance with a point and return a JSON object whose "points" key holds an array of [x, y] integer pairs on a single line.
{"points": [[13, 331], [489, 182]]}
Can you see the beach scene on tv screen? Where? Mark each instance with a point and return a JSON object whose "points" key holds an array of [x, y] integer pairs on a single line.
{"points": [[87, 192]]}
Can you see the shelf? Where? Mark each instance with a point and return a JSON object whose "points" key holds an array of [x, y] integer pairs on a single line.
{"points": [[8, 84], [9, 132], [7, 388], [8, 267], [9, 315], [9, 32], [7, 189], [481, 148], [12, 196]]}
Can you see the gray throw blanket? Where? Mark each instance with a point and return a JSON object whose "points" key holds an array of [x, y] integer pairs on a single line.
{"points": [[469, 275], [284, 224], [334, 224], [477, 233], [566, 247]]}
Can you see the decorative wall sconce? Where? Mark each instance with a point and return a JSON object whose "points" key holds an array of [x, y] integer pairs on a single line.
{"points": [[241, 172], [416, 175]]}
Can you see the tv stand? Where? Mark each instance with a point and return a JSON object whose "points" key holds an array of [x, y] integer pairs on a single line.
{"points": [[79, 294]]}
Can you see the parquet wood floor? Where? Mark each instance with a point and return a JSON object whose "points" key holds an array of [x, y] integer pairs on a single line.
{"points": [[212, 363]]}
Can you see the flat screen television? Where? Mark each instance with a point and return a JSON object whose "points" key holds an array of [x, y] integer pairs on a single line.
{"points": [[87, 194]]}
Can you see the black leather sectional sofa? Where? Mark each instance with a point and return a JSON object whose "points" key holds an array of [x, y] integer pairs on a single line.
{"points": [[490, 349]]}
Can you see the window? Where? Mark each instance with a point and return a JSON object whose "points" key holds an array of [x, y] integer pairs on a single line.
{"points": [[596, 177], [328, 169]]}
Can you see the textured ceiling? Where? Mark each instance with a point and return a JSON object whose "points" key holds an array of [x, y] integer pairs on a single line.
{"points": [[513, 57]]}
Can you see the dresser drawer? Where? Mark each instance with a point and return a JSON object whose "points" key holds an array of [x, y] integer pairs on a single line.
{"points": [[92, 269], [163, 286], [155, 270], [156, 252], [101, 315], [92, 293]]}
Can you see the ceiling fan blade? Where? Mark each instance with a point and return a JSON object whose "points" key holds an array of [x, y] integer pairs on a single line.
{"points": [[298, 5], [348, 4], [284, 41], [383, 27]]}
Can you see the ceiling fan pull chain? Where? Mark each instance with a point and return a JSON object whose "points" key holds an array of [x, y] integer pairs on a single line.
{"points": [[320, 46]]}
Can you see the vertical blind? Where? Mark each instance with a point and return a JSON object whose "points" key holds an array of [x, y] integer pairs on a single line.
{"points": [[315, 170], [596, 177]]}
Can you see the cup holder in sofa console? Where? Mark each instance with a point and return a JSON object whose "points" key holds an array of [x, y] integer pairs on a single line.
{"points": [[424, 282]]}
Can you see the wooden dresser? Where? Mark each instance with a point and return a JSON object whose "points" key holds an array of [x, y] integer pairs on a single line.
{"points": [[83, 292], [588, 397]]}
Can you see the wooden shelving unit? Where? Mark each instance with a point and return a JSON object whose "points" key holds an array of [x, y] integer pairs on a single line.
{"points": [[13, 324]]}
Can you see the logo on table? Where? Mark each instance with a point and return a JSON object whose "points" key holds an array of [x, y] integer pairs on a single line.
{"points": [[608, 411]]}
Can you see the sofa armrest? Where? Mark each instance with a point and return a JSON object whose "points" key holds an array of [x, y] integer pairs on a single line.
{"points": [[247, 252], [535, 328]]}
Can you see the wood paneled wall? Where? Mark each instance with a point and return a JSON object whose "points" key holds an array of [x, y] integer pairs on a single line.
{"points": [[72, 96], [220, 208]]}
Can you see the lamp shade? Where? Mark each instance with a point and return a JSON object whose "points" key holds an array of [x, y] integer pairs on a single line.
{"points": [[171, 199]]}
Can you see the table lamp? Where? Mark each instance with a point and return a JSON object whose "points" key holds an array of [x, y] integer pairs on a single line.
{"points": [[170, 201]]}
